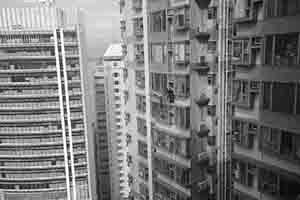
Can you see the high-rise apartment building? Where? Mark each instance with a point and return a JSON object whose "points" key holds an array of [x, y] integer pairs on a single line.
{"points": [[101, 135], [44, 112], [266, 100], [115, 121], [170, 50]]}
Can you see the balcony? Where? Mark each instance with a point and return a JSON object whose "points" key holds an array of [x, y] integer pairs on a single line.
{"points": [[203, 100], [203, 132], [203, 185]]}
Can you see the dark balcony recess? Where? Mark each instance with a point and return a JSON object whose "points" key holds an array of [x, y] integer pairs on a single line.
{"points": [[203, 100], [203, 132]]}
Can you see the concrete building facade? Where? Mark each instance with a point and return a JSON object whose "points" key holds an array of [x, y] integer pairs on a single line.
{"points": [[171, 54], [44, 112], [266, 97]]}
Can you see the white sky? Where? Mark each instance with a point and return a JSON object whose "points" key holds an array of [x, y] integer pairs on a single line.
{"points": [[102, 21]]}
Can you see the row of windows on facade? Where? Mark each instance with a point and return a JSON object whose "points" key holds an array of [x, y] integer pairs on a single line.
{"points": [[279, 142], [37, 105], [250, 51], [36, 79], [46, 163], [158, 19], [68, 51], [38, 140], [32, 129], [265, 180], [12, 65], [49, 116], [18, 151], [281, 97]]}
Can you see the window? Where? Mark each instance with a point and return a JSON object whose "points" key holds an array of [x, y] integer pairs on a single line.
{"points": [[158, 53], [283, 97], [212, 13], [159, 82], [181, 52], [245, 173], [141, 126], [270, 139], [141, 103], [138, 26], [241, 92], [182, 87], [211, 46], [289, 7], [241, 49], [140, 79], [298, 100], [286, 49], [268, 181], [244, 133], [181, 17], [183, 117], [143, 172], [266, 96], [158, 21], [116, 82], [115, 74], [142, 149]]}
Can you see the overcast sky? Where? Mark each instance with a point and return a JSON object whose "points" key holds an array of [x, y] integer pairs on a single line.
{"points": [[102, 21]]}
